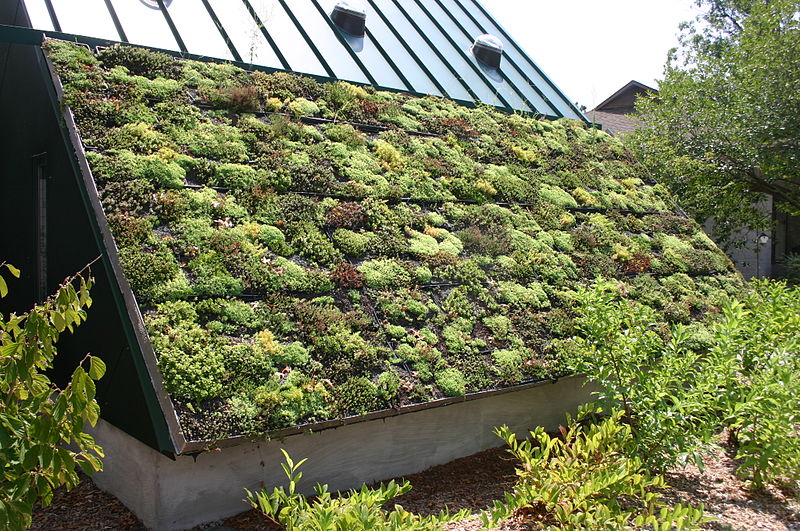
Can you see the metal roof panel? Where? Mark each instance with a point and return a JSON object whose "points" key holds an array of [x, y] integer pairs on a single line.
{"points": [[423, 46], [144, 25], [93, 17]]}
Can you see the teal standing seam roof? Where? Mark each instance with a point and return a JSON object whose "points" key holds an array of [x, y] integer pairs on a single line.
{"points": [[419, 46]]}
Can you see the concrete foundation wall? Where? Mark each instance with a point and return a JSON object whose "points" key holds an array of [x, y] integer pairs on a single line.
{"points": [[179, 494]]}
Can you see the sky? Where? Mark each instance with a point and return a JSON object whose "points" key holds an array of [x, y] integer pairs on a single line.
{"points": [[591, 48]]}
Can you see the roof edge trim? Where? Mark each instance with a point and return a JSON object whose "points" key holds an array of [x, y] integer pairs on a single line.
{"points": [[158, 401]]}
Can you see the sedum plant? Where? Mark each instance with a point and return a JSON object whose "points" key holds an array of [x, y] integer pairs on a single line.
{"points": [[358, 510]]}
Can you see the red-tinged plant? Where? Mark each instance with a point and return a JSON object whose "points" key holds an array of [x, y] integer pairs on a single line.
{"points": [[347, 276]]}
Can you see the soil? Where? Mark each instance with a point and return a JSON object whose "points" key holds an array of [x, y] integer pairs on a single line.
{"points": [[473, 482]]}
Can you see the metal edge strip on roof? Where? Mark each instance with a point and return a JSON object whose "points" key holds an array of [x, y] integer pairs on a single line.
{"points": [[158, 402], [196, 447]]}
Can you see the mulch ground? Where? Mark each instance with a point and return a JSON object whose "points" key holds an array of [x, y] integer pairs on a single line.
{"points": [[472, 482]]}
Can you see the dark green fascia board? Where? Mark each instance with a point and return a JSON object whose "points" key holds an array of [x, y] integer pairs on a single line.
{"points": [[165, 438], [19, 35]]}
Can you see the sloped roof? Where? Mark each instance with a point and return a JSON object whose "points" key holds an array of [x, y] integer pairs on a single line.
{"points": [[614, 113], [614, 123], [304, 252], [623, 99], [420, 46]]}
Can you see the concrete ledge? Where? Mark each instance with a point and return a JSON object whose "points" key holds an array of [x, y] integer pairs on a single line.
{"points": [[167, 494]]}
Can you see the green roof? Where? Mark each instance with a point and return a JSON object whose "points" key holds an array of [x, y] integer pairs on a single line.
{"points": [[303, 252]]}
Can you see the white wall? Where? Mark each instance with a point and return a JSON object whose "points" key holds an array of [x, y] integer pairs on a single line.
{"points": [[754, 259], [167, 494]]}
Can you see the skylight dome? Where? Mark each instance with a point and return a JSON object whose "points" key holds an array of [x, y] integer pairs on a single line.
{"points": [[153, 4], [488, 49], [350, 16]]}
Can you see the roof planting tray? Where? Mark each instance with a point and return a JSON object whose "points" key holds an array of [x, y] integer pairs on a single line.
{"points": [[304, 252]]}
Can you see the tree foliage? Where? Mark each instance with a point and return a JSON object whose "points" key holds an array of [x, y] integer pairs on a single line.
{"points": [[37, 419], [723, 131]]}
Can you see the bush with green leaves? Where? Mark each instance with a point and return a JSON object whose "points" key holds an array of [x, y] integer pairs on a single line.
{"points": [[745, 377], [585, 479], [646, 376], [42, 438], [357, 510], [759, 339]]}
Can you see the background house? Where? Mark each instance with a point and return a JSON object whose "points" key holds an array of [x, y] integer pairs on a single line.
{"points": [[614, 113]]}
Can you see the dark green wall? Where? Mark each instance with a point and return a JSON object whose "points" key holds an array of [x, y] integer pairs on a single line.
{"points": [[30, 127]]}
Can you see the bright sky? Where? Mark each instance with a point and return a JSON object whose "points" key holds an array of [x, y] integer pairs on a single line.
{"points": [[591, 48]]}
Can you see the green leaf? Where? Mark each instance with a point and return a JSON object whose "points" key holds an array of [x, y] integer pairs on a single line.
{"points": [[14, 270], [97, 368], [3, 287]]}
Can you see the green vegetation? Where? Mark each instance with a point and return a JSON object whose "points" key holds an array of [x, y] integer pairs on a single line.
{"points": [[722, 132], [677, 389], [42, 441], [663, 395], [357, 510], [584, 479], [291, 273]]}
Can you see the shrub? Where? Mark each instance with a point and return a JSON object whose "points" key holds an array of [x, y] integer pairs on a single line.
{"points": [[41, 425], [357, 510], [586, 480], [759, 340], [667, 392], [743, 375]]}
